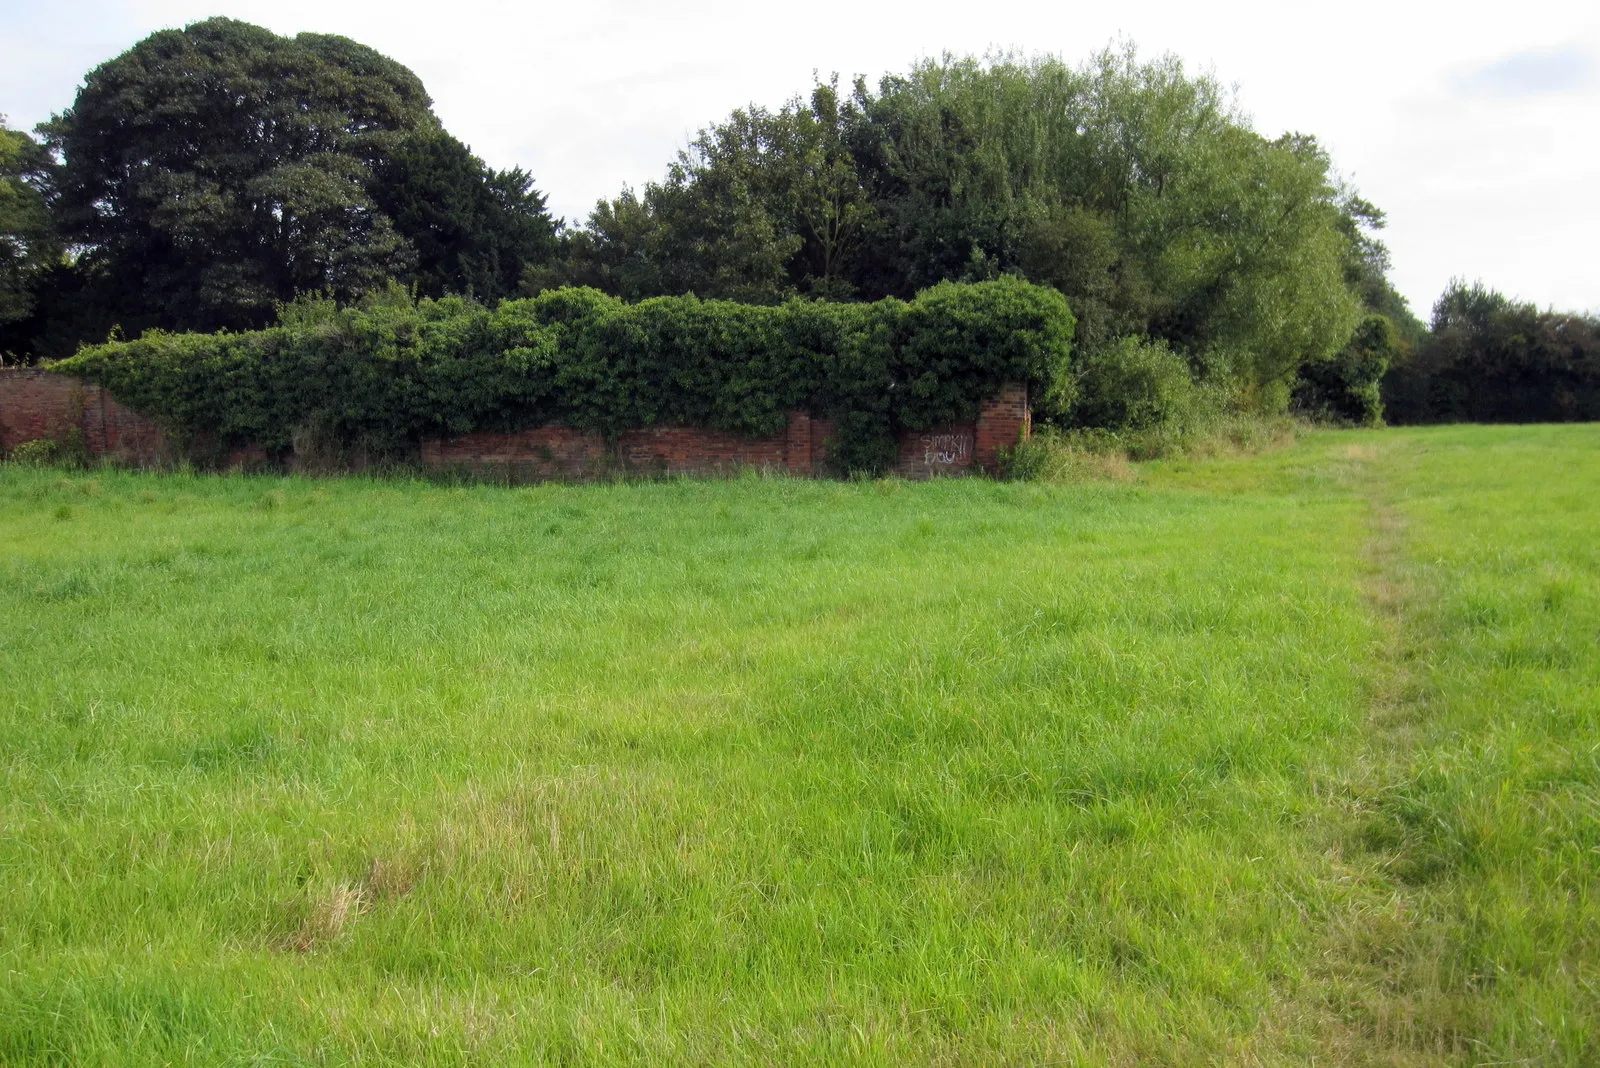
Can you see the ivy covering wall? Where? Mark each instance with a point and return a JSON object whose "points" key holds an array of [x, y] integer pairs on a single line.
{"points": [[389, 371]]}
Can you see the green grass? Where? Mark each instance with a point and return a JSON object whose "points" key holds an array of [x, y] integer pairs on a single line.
{"points": [[1279, 759]]}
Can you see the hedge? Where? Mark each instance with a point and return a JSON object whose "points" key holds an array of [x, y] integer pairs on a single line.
{"points": [[385, 373]]}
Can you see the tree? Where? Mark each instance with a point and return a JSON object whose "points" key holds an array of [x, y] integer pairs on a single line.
{"points": [[474, 229], [225, 169], [1347, 387], [1367, 268], [1488, 358], [758, 208], [213, 172], [618, 251], [1138, 191], [27, 241], [833, 212]]}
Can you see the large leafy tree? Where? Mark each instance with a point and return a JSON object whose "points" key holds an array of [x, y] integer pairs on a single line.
{"points": [[1136, 189], [474, 229], [761, 207], [27, 241], [212, 172], [1367, 268], [1139, 191]]}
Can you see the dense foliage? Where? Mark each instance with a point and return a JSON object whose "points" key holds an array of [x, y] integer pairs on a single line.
{"points": [[1347, 388], [384, 373], [1136, 190], [209, 173], [1135, 386], [27, 241], [1491, 359], [475, 230]]}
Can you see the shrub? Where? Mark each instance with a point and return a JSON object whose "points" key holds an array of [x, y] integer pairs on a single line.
{"points": [[1135, 385], [963, 339], [70, 451], [40, 453], [389, 371], [1087, 454], [1075, 456], [1347, 387]]}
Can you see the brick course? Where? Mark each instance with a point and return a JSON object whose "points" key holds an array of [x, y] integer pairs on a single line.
{"points": [[35, 403]]}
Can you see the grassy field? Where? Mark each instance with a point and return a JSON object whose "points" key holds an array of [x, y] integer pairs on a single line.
{"points": [[1291, 758]]}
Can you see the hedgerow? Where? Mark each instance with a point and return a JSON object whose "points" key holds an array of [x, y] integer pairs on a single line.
{"points": [[391, 370]]}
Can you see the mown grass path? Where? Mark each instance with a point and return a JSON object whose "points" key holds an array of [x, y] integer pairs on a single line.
{"points": [[1474, 936], [1256, 760]]}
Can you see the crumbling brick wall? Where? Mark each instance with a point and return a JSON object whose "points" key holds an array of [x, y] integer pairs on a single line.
{"points": [[35, 403], [801, 449]]}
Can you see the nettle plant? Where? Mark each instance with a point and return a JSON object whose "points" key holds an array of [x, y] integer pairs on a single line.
{"points": [[384, 373]]}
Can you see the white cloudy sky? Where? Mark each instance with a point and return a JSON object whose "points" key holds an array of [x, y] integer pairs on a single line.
{"points": [[1472, 124]]}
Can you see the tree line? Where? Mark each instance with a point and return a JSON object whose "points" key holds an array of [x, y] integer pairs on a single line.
{"points": [[208, 176]]}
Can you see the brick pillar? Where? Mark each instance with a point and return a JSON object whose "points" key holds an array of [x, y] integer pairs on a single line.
{"points": [[1004, 421], [93, 419], [821, 435], [797, 444]]}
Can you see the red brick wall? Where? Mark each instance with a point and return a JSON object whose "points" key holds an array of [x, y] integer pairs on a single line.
{"points": [[822, 431], [1003, 422], [797, 444], [560, 452], [537, 453], [673, 449], [38, 404], [942, 451]]}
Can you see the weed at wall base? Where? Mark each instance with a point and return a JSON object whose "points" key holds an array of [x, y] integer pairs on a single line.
{"points": [[70, 451], [1054, 455]]}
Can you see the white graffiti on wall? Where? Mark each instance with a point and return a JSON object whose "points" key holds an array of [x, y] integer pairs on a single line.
{"points": [[945, 448]]}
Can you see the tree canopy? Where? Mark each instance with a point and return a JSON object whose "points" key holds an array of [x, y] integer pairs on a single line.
{"points": [[27, 239], [212, 172], [1488, 358], [209, 175], [1137, 190], [474, 229]]}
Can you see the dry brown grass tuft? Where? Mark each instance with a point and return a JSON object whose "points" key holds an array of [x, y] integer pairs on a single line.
{"points": [[326, 916]]}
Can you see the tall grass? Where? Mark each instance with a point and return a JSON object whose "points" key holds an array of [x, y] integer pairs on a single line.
{"points": [[1478, 821], [1076, 455], [776, 771]]}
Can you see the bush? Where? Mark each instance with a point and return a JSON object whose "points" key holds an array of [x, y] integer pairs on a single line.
{"points": [[1051, 455], [959, 336], [1136, 385], [40, 453], [70, 452], [1142, 400], [389, 371], [1347, 387], [1082, 455]]}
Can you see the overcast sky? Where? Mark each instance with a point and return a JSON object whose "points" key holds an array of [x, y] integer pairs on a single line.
{"points": [[1472, 124]]}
